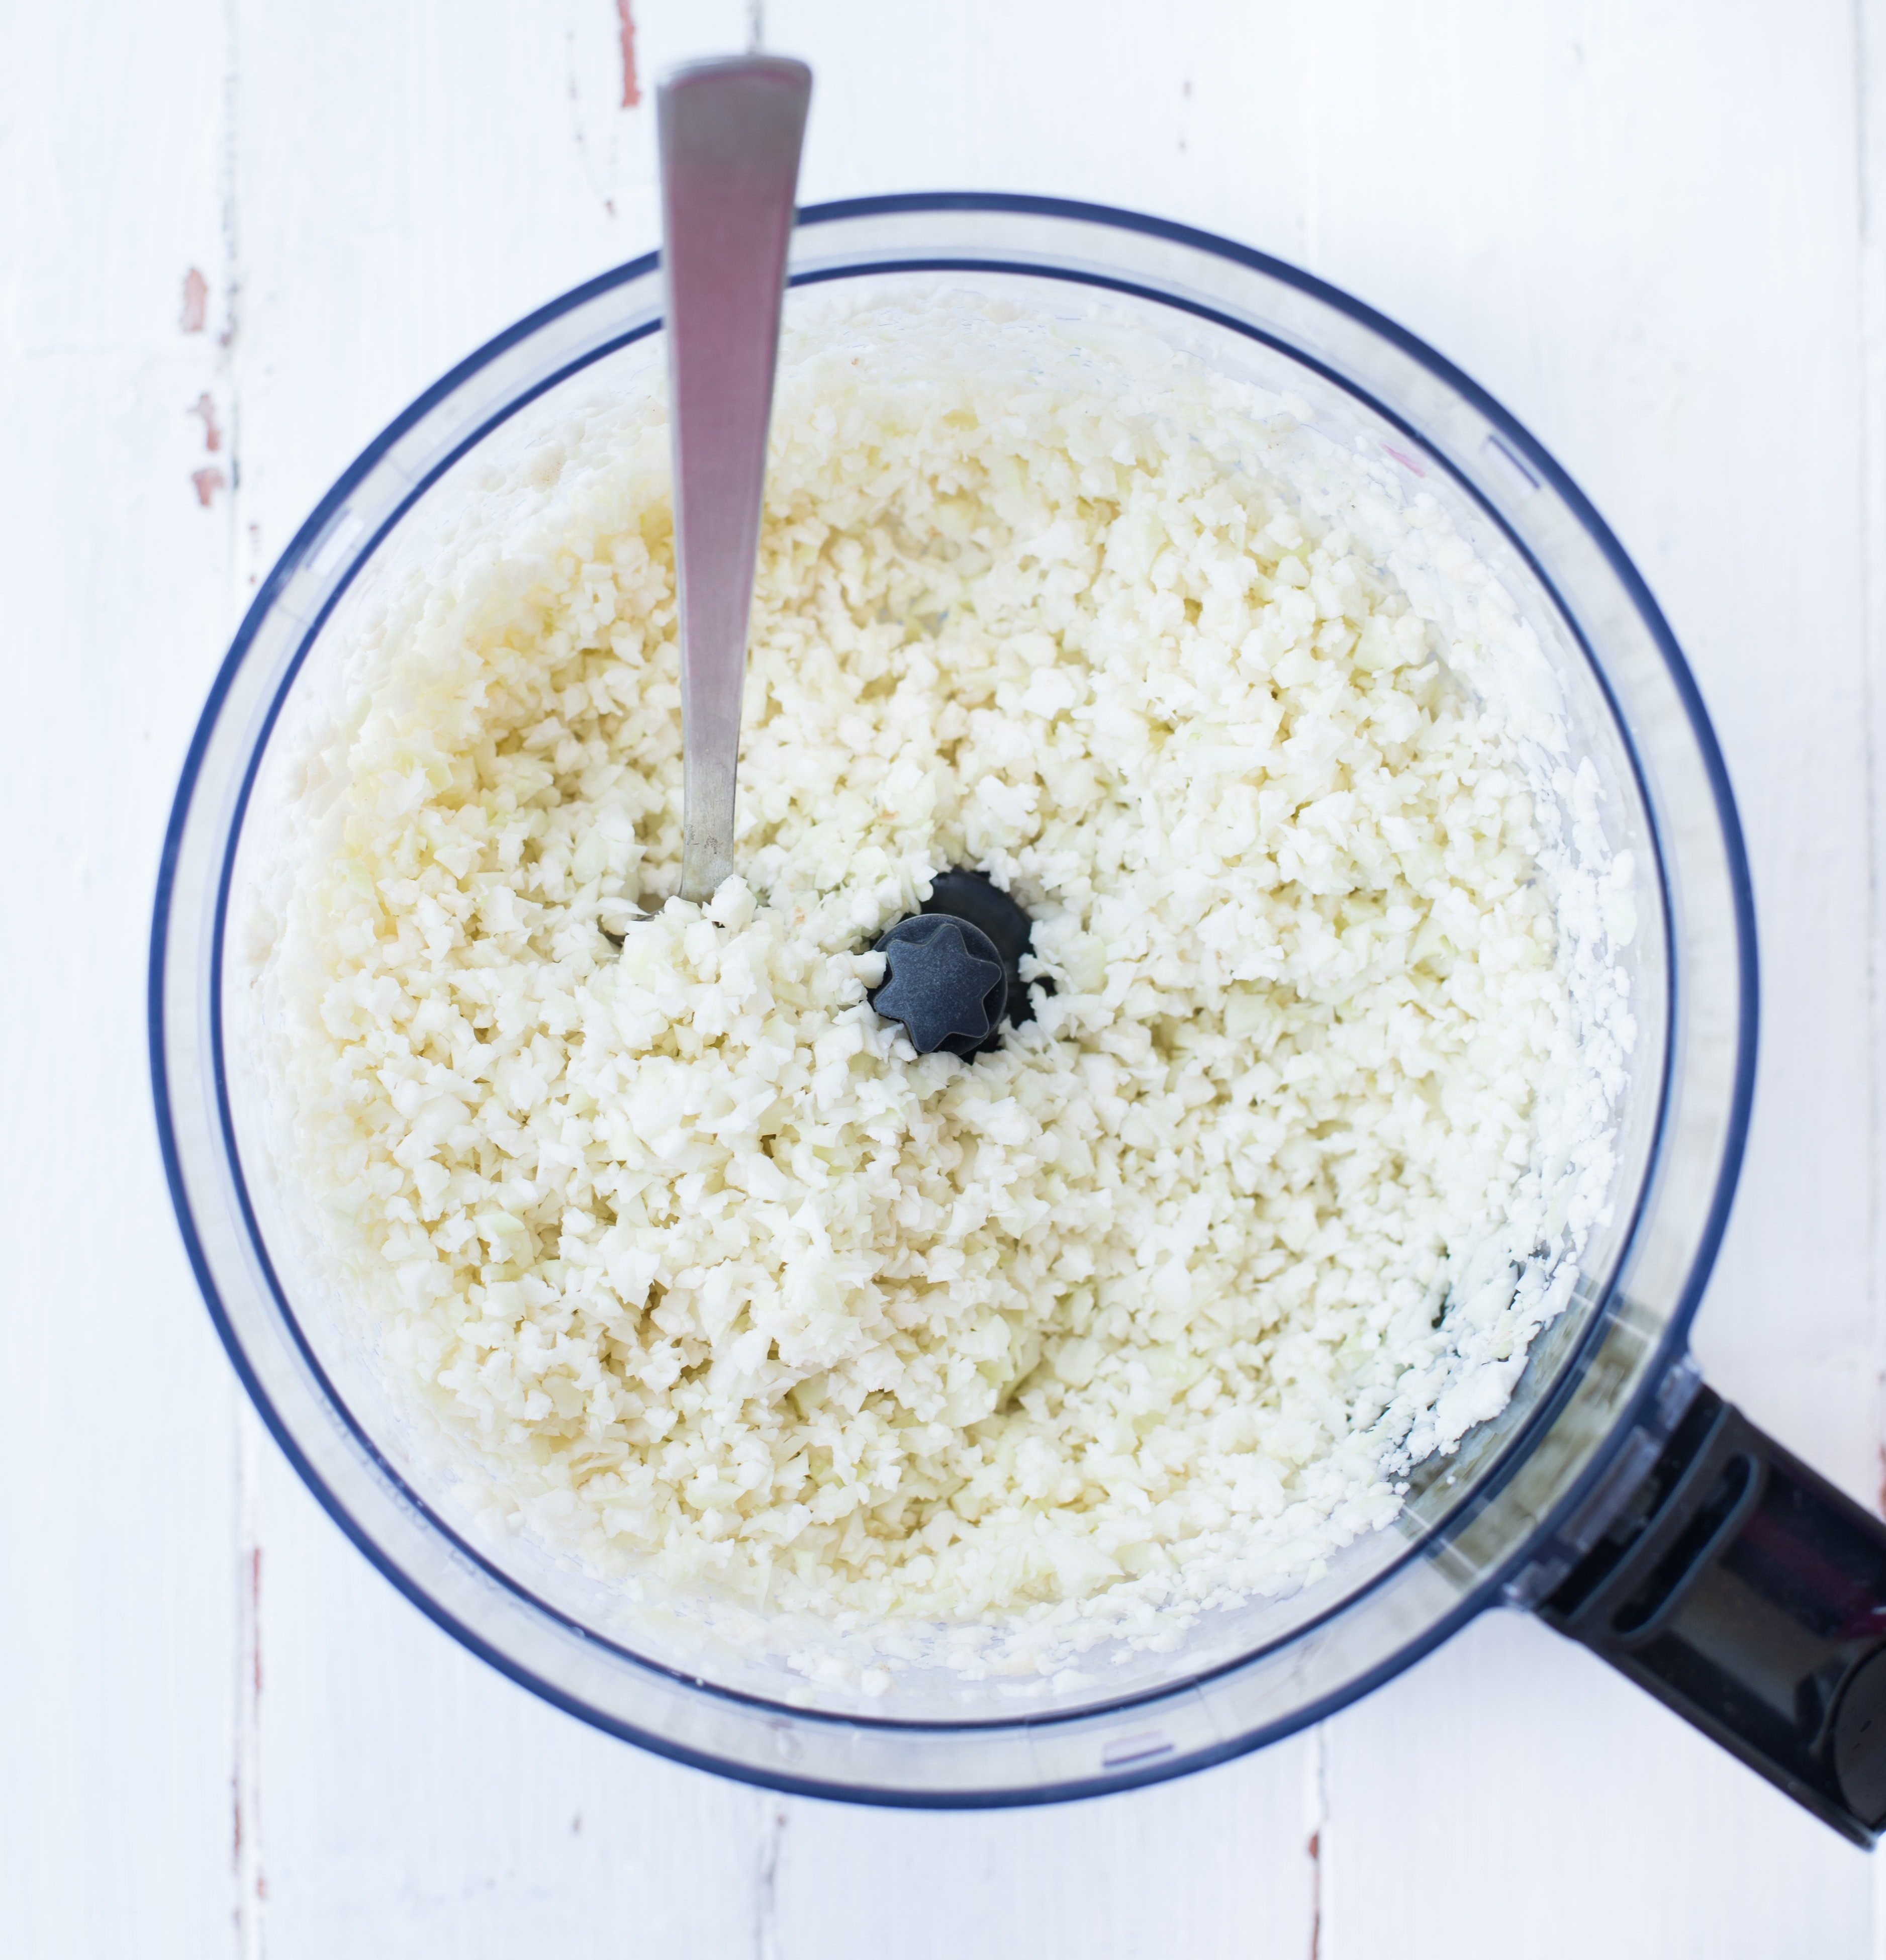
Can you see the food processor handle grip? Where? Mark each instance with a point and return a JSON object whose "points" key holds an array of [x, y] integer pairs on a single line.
{"points": [[1746, 1592]]}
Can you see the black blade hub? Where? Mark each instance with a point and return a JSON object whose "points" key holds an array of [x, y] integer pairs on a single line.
{"points": [[951, 973]]}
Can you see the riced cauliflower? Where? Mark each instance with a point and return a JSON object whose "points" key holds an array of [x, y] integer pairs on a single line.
{"points": [[1152, 1307]]}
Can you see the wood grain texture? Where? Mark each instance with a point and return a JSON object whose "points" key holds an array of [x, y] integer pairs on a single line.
{"points": [[1512, 1795], [1656, 232], [1218, 1864], [118, 1634]]}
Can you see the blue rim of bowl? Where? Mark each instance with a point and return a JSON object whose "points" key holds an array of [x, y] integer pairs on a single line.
{"points": [[1533, 458]]}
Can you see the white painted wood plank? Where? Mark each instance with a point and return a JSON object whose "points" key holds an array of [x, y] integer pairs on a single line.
{"points": [[1514, 1796], [417, 1806], [412, 180], [1206, 113], [118, 1640], [1218, 1864]]}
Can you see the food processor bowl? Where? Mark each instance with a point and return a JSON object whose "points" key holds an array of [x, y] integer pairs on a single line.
{"points": [[1589, 1460]]}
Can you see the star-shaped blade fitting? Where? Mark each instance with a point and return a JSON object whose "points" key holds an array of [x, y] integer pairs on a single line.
{"points": [[944, 981]]}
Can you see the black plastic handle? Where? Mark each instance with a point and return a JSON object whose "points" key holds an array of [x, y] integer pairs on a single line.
{"points": [[1749, 1595]]}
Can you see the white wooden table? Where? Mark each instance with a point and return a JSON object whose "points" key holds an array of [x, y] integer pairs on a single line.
{"points": [[240, 235]]}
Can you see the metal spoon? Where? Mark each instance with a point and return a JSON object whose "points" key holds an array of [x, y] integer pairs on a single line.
{"points": [[730, 133]]}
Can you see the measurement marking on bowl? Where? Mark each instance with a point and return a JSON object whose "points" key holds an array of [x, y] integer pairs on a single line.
{"points": [[1516, 472], [347, 526], [1140, 1748]]}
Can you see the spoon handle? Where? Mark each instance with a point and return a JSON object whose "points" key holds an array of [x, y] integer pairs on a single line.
{"points": [[730, 133]]}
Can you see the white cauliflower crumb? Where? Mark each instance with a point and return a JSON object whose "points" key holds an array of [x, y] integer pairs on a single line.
{"points": [[1151, 1307]]}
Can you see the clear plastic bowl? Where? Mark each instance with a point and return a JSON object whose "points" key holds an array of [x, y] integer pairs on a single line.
{"points": [[1587, 1407]]}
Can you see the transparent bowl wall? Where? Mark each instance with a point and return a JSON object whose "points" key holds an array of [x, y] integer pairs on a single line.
{"points": [[1241, 1677]]}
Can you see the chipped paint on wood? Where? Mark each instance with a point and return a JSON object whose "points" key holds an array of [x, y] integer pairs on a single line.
{"points": [[204, 406], [1315, 1850], [626, 34]]}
